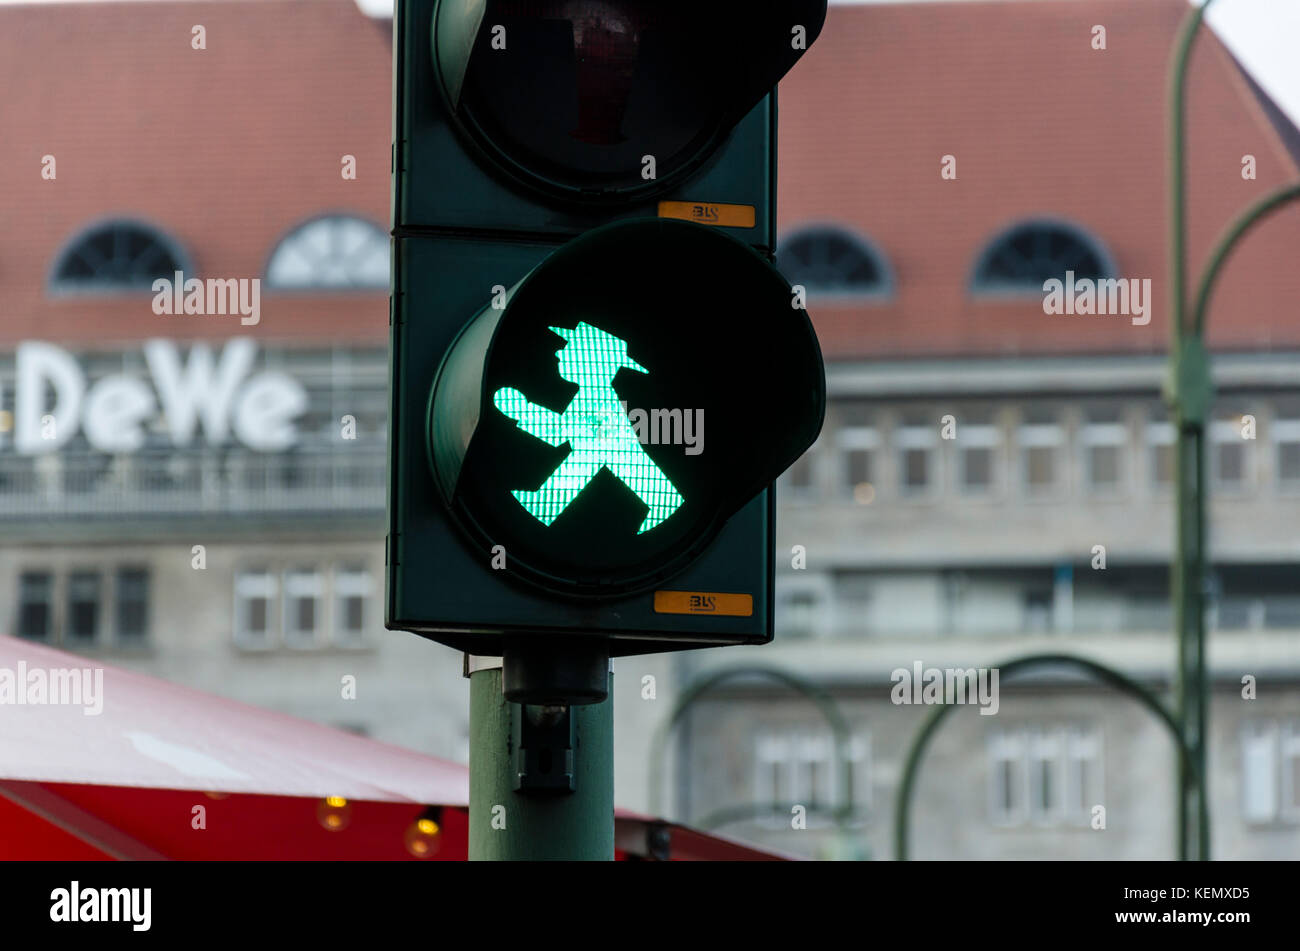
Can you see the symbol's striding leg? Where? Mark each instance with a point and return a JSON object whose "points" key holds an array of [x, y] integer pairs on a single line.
{"points": [[561, 488], [642, 476]]}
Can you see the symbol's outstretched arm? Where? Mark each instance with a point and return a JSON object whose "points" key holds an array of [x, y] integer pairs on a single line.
{"points": [[533, 419]]}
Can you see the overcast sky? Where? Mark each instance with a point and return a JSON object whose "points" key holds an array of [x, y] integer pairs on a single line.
{"points": [[1263, 34]]}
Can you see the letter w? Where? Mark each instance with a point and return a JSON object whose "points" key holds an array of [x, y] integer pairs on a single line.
{"points": [[201, 388]]}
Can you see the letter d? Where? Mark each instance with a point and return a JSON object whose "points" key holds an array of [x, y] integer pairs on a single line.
{"points": [[39, 363]]}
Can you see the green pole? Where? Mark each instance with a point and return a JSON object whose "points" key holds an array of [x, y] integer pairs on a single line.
{"points": [[508, 825], [1188, 393]]}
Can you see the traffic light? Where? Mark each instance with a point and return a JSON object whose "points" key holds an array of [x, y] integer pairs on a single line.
{"points": [[596, 371]]}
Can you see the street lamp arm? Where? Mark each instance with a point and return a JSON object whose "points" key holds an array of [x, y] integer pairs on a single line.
{"points": [[824, 702], [1228, 241], [1178, 168], [1107, 675]]}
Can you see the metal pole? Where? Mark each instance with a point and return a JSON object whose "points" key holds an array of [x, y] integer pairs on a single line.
{"points": [[506, 824], [1188, 394]]}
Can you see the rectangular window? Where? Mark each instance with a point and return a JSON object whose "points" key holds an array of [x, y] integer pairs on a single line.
{"points": [[304, 589], [83, 607], [916, 442], [1008, 782], [1048, 776], [1290, 750], [352, 592], [812, 772], [255, 594], [1160, 440], [859, 448], [36, 606], [802, 767], [772, 780], [852, 600], [1046, 779], [798, 485], [1041, 438], [1083, 781], [1286, 438], [1259, 772], [132, 605], [1229, 454], [1037, 611], [979, 443], [1104, 438], [803, 602]]}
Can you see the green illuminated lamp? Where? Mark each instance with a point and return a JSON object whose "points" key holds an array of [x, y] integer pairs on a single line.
{"points": [[537, 458], [596, 427]]}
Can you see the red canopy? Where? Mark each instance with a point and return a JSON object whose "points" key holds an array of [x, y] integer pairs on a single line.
{"points": [[128, 766]]}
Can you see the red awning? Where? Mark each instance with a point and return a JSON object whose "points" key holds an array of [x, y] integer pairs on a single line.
{"points": [[135, 767]]}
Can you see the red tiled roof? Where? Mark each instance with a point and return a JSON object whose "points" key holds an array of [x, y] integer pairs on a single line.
{"points": [[1041, 124], [225, 148]]}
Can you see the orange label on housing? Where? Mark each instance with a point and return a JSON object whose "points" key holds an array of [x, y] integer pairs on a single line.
{"points": [[703, 602], [709, 213]]}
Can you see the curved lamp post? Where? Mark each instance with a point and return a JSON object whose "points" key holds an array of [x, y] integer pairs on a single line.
{"points": [[1101, 672], [1188, 391], [821, 698]]}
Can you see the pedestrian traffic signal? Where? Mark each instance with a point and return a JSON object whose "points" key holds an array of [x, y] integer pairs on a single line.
{"points": [[628, 396], [590, 399]]}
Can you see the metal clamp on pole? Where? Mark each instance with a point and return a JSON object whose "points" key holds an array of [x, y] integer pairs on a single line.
{"points": [[543, 740]]}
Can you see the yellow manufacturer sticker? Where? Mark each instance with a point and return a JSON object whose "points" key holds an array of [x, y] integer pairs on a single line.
{"points": [[703, 602], [709, 213]]}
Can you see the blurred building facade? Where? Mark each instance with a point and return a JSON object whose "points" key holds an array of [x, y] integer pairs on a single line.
{"points": [[979, 455], [995, 481], [201, 496]]}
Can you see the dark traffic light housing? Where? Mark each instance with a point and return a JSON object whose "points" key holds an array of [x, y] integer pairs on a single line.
{"points": [[590, 399]]}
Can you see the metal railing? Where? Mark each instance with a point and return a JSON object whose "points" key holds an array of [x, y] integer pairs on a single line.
{"points": [[83, 484]]}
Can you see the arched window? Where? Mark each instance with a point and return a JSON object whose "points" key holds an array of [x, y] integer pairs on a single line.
{"points": [[117, 255], [831, 261], [1022, 258], [334, 252]]}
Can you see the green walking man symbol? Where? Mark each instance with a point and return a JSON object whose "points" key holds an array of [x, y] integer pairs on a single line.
{"points": [[596, 427]]}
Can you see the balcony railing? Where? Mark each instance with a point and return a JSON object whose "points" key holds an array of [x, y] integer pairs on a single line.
{"points": [[82, 484]]}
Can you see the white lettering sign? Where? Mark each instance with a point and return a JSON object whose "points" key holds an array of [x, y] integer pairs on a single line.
{"points": [[203, 391]]}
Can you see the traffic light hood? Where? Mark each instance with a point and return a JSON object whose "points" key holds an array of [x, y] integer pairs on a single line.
{"points": [[571, 97]]}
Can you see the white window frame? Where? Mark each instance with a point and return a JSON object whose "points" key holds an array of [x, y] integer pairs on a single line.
{"points": [[253, 583], [906, 438], [1284, 432], [788, 492], [773, 782], [856, 439], [842, 621], [299, 582], [979, 436], [1159, 435], [1093, 435], [1289, 750], [351, 581], [1223, 431], [1043, 436], [1063, 748], [1083, 745], [1046, 747], [1259, 754], [820, 587], [1008, 747]]}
